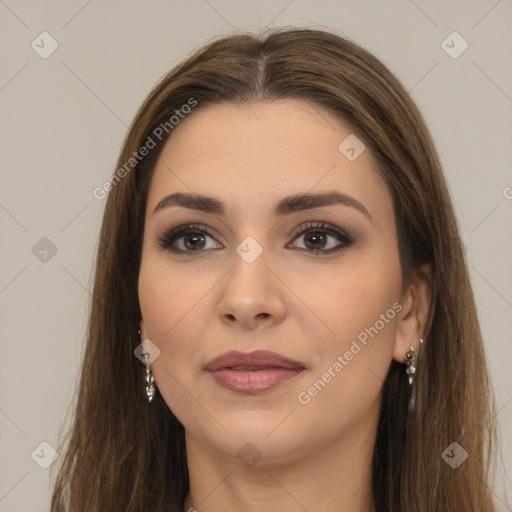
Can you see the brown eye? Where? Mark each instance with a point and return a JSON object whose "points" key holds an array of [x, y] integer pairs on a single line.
{"points": [[322, 238], [315, 240], [194, 242], [187, 240]]}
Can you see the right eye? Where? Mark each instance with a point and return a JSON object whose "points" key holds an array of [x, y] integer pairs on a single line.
{"points": [[188, 239]]}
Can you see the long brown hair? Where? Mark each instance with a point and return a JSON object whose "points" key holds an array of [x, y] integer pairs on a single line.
{"points": [[124, 454]]}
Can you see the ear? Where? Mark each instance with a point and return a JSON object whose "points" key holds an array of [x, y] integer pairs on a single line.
{"points": [[413, 317]]}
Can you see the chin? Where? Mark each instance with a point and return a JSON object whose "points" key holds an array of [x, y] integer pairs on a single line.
{"points": [[253, 435]]}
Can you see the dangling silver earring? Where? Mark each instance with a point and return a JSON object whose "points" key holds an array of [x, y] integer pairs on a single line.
{"points": [[410, 370], [148, 377], [411, 364]]}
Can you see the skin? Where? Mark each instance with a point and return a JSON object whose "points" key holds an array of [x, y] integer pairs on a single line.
{"points": [[306, 306]]}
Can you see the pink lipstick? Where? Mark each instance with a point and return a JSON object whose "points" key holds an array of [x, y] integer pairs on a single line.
{"points": [[253, 372]]}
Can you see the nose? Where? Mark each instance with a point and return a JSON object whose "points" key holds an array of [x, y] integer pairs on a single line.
{"points": [[252, 295]]}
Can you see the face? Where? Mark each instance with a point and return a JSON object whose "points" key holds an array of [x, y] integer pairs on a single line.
{"points": [[315, 281]]}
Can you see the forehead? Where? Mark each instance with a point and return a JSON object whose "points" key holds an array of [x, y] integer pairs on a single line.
{"points": [[255, 153]]}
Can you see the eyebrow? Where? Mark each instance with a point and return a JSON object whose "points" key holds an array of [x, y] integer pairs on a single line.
{"points": [[286, 206]]}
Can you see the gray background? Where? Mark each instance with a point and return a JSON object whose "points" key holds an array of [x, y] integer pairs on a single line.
{"points": [[63, 122]]}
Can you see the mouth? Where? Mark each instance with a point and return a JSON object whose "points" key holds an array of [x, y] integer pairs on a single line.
{"points": [[254, 372]]}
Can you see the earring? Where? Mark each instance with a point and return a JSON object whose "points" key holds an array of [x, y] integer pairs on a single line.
{"points": [[410, 370], [148, 377], [411, 363]]}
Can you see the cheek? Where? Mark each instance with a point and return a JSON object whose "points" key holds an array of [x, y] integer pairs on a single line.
{"points": [[358, 308], [173, 306], [349, 298], [169, 299]]}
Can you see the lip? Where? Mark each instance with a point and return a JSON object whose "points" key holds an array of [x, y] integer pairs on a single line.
{"points": [[253, 372]]}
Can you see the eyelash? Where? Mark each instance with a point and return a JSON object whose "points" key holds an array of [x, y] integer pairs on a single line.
{"points": [[166, 240]]}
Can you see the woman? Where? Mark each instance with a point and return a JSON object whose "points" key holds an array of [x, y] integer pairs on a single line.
{"points": [[282, 314]]}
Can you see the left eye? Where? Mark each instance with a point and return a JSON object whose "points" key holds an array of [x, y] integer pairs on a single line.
{"points": [[321, 238]]}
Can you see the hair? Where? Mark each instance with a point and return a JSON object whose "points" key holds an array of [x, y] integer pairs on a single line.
{"points": [[123, 454]]}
